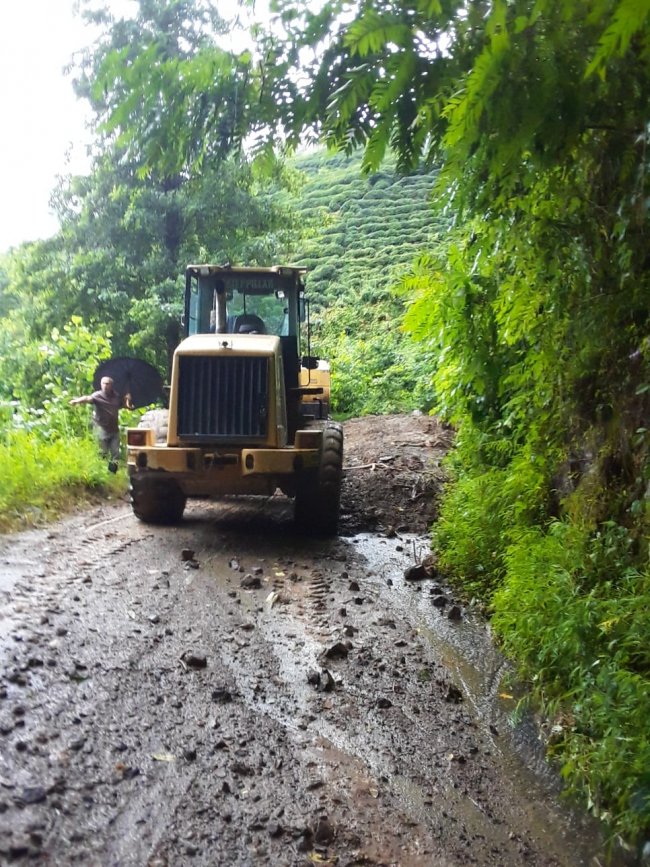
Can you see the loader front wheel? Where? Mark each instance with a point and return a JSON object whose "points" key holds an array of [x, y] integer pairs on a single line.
{"points": [[318, 494], [156, 499]]}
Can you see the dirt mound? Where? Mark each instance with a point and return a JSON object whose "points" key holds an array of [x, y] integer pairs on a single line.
{"points": [[393, 476]]}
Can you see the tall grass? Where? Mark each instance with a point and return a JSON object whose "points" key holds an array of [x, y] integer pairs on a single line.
{"points": [[574, 611], [40, 478]]}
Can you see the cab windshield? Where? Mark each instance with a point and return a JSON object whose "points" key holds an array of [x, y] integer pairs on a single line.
{"points": [[261, 314], [239, 303]]}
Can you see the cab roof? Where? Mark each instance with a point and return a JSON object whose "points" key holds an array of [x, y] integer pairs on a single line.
{"points": [[280, 270]]}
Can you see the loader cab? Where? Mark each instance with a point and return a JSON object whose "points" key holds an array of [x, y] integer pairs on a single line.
{"points": [[225, 300], [261, 301]]}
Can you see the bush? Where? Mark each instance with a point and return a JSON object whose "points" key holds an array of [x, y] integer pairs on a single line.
{"points": [[40, 478], [474, 521], [495, 491], [48, 457], [574, 611]]}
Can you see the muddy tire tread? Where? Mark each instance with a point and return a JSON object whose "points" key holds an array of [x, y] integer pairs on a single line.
{"points": [[156, 500], [319, 492]]}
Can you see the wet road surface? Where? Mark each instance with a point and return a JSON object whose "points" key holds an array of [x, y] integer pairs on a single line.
{"points": [[227, 693]]}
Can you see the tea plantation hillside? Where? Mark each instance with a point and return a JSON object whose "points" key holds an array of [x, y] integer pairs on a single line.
{"points": [[362, 233], [367, 228]]}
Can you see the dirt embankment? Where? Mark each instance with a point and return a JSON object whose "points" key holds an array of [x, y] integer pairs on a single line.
{"points": [[226, 692], [393, 473]]}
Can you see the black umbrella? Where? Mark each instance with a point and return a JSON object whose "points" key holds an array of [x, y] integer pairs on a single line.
{"points": [[132, 376]]}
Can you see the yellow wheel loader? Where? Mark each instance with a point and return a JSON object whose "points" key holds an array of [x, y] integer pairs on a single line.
{"points": [[248, 412]]}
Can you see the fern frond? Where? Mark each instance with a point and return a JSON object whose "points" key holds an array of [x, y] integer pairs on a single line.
{"points": [[353, 92], [629, 18], [387, 91], [373, 32]]}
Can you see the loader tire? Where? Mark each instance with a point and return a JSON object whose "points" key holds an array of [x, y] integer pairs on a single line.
{"points": [[318, 494], [156, 499]]}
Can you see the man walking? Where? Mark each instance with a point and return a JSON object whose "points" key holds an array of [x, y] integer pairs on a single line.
{"points": [[107, 404]]}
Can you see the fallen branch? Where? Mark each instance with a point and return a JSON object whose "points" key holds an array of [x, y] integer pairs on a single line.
{"points": [[423, 444], [369, 466]]}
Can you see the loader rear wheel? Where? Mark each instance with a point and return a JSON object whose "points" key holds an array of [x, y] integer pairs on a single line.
{"points": [[156, 499], [318, 494]]}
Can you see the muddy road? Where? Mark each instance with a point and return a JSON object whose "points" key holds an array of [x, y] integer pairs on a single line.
{"points": [[228, 693]]}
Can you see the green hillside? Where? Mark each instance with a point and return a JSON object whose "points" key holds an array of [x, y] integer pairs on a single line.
{"points": [[367, 228], [361, 233]]}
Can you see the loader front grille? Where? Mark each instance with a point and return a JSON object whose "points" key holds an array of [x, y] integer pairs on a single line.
{"points": [[222, 398]]}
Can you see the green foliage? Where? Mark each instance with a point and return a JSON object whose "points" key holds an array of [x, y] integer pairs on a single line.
{"points": [[497, 491], [475, 517], [168, 54], [574, 610], [361, 237], [39, 478], [374, 370], [48, 456], [41, 377]]}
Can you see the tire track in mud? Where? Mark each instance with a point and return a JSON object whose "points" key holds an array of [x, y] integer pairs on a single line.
{"points": [[70, 711], [271, 706], [35, 565], [318, 594], [84, 702]]}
